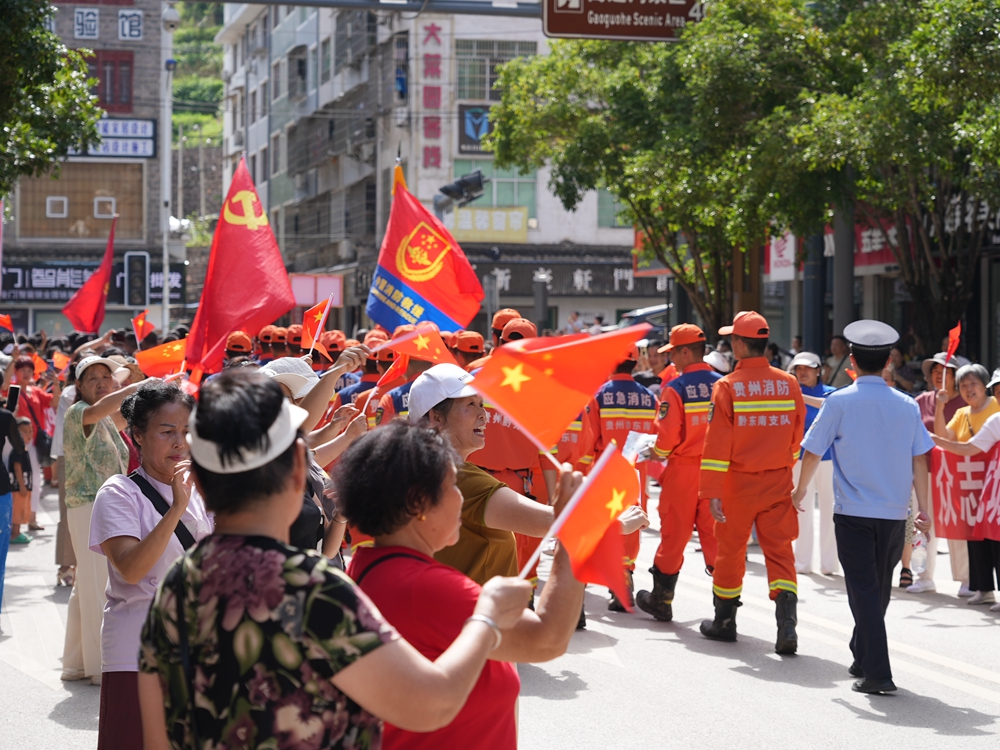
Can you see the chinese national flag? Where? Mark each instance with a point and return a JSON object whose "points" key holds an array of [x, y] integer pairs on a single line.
{"points": [[954, 336], [141, 326], [424, 343], [163, 359], [591, 535], [60, 360], [542, 384], [246, 286], [85, 309], [312, 327], [7, 323], [40, 365], [396, 370]]}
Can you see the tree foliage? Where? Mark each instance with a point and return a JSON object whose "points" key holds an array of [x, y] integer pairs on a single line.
{"points": [[765, 116], [46, 107]]}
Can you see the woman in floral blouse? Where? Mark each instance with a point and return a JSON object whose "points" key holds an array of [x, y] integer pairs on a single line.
{"points": [[278, 649]]}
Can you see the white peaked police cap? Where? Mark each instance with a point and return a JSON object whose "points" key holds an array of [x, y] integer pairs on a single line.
{"points": [[718, 361], [437, 384]]}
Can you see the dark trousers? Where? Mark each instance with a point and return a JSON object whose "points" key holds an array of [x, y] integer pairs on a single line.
{"points": [[984, 559], [869, 549]]}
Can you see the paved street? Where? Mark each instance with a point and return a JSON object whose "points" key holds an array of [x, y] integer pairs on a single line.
{"points": [[628, 681]]}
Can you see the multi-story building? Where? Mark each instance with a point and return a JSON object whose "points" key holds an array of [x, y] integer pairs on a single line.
{"points": [[60, 226], [322, 102]]}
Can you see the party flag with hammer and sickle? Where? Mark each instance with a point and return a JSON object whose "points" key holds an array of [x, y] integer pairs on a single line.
{"points": [[246, 286], [590, 532]]}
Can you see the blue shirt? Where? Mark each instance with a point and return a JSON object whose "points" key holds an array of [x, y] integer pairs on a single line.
{"points": [[875, 431], [820, 390]]}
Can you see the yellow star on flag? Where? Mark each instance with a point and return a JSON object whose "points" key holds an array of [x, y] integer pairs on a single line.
{"points": [[549, 373], [514, 377], [319, 316], [422, 342], [617, 504]]}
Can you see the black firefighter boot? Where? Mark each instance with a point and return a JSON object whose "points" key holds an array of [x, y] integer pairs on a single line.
{"points": [[616, 606], [723, 627], [658, 601], [784, 612]]}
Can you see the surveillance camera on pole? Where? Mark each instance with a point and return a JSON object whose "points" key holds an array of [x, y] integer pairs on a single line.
{"points": [[461, 192]]}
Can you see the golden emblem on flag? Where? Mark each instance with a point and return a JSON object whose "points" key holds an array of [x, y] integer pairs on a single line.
{"points": [[421, 254], [249, 218]]}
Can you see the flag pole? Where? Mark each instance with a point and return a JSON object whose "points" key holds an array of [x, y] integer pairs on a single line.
{"points": [[322, 324], [557, 524]]}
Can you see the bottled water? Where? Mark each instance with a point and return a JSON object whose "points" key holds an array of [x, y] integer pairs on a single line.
{"points": [[918, 558]]}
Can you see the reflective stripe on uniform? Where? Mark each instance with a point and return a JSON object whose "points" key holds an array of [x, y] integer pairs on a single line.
{"points": [[711, 464], [696, 407], [661, 453], [628, 413], [780, 584], [727, 593], [742, 407]]}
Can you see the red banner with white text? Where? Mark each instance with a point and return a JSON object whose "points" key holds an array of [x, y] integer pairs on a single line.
{"points": [[966, 492]]}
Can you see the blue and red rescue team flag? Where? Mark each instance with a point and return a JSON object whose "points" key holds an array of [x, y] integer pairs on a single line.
{"points": [[422, 273]]}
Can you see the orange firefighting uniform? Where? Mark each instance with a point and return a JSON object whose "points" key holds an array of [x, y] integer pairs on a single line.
{"points": [[681, 424], [756, 422], [513, 459], [624, 406]]}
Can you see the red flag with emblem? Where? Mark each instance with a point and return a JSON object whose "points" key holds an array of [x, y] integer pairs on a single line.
{"points": [[590, 532], [163, 359], [542, 384], [954, 336], [85, 309], [141, 326], [246, 286], [313, 323]]}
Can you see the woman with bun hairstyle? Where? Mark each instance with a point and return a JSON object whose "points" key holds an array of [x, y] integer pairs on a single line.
{"points": [[142, 522]]}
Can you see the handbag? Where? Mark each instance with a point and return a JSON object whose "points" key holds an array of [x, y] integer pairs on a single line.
{"points": [[180, 531], [43, 441]]}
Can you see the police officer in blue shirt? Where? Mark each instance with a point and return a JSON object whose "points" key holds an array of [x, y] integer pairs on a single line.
{"points": [[879, 451]]}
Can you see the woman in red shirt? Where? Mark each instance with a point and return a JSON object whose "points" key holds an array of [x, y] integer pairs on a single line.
{"points": [[34, 404], [413, 511]]}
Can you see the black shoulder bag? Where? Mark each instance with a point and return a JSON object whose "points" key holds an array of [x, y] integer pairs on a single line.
{"points": [[181, 531], [366, 571]]}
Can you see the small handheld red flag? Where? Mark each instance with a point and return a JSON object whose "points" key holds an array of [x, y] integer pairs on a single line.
{"points": [[425, 343], [161, 360], [396, 370], [6, 322], [40, 365], [85, 309], [313, 323], [590, 532], [542, 384], [141, 326], [954, 337]]}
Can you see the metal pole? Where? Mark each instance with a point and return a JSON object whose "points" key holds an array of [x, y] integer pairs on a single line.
{"points": [[166, 133], [201, 173], [843, 267], [180, 172], [813, 294]]}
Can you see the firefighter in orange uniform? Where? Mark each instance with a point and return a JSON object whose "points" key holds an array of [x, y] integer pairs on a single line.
{"points": [[755, 426], [681, 423], [509, 455], [500, 320], [624, 406]]}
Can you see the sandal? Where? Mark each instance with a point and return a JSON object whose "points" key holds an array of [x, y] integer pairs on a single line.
{"points": [[66, 576], [905, 578], [33, 526]]}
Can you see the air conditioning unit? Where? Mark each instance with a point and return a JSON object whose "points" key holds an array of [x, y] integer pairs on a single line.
{"points": [[238, 139], [259, 51], [227, 76]]}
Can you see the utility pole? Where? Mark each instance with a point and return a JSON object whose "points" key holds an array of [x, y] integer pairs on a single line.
{"points": [[201, 173], [171, 20], [180, 172]]}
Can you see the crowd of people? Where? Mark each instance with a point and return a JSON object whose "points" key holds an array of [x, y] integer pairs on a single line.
{"points": [[309, 556]]}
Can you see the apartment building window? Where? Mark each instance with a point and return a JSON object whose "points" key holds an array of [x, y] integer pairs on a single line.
{"points": [[609, 210], [297, 73], [506, 188], [276, 80], [313, 74], [401, 60], [275, 153], [253, 106], [325, 60], [252, 164], [113, 71], [479, 62], [263, 99], [264, 165]]}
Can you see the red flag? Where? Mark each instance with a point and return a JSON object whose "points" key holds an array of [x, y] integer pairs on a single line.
{"points": [[954, 336], [313, 323], [141, 326], [60, 360], [424, 343], [542, 384], [40, 365], [246, 286], [85, 309], [163, 359], [590, 532], [396, 370], [5, 321]]}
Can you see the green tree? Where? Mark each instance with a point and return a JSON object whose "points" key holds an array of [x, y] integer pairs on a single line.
{"points": [[46, 107]]}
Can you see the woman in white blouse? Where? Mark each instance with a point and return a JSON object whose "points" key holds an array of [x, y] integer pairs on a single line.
{"points": [[142, 523]]}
